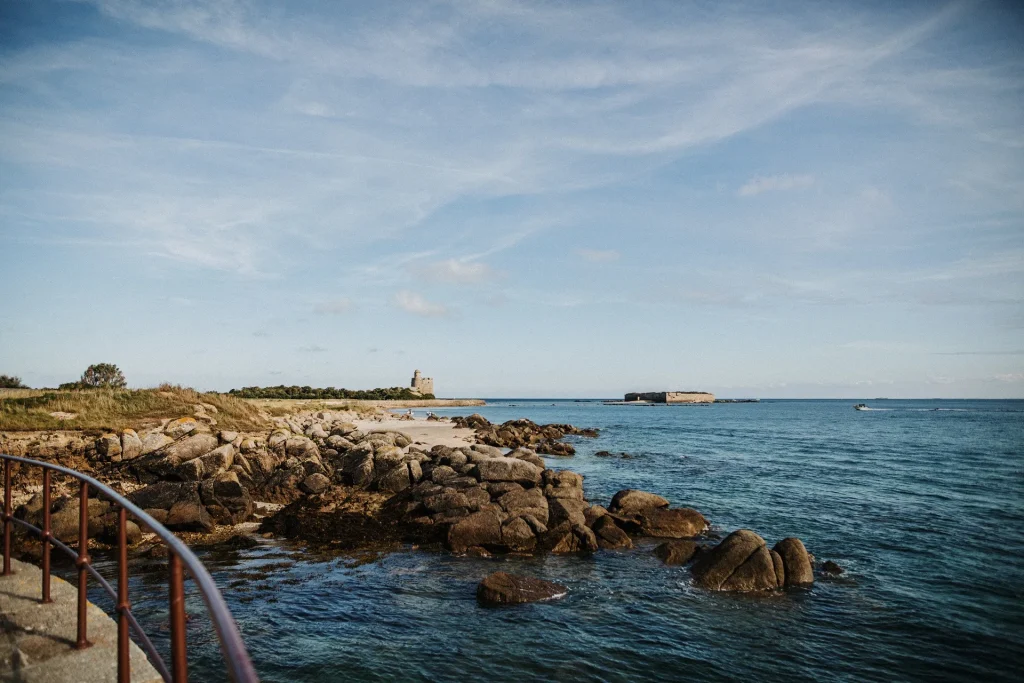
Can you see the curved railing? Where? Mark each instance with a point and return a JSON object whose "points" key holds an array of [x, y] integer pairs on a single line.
{"points": [[239, 665]]}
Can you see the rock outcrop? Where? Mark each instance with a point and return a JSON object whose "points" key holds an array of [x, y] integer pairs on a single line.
{"points": [[743, 562], [508, 589]]}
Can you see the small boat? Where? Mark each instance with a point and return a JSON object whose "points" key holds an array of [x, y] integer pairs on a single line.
{"points": [[861, 406]]}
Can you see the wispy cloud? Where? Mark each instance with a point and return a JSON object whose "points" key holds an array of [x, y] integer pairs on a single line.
{"points": [[455, 271], [784, 181], [312, 348], [415, 303], [334, 306], [598, 255]]}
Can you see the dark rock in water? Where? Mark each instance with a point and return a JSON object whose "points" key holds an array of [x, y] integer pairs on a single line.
{"points": [[796, 562], [678, 523], [676, 552], [556, 448], [507, 589], [569, 538], [478, 529], [742, 562], [609, 535], [526, 502], [830, 567], [562, 510], [631, 501]]}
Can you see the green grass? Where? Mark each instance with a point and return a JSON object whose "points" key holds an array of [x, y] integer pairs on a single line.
{"points": [[113, 409]]}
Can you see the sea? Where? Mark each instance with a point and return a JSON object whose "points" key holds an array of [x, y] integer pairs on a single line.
{"points": [[921, 502]]}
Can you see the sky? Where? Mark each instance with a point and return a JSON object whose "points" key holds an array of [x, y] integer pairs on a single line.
{"points": [[576, 199]]}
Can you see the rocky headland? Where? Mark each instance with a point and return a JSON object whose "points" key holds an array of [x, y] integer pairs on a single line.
{"points": [[348, 482]]}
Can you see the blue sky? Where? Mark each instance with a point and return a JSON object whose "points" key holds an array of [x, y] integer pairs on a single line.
{"points": [[520, 199]]}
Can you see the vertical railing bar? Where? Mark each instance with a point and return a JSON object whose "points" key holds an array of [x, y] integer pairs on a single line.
{"points": [[124, 670], [179, 654], [7, 517], [47, 534], [83, 562]]}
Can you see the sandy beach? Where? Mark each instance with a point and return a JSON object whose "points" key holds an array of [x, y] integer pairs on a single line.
{"points": [[420, 431]]}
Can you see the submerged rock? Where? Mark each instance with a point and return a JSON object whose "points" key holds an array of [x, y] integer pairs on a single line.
{"points": [[676, 552], [508, 589]]}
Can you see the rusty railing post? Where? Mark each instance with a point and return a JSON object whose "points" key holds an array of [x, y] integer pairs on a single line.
{"points": [[47, 535], [83, 563], [124, 668], [179, 655], [7, 517]]}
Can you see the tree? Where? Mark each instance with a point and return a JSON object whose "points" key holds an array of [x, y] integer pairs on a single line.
{"points": [[103, 375], [11, 382]]}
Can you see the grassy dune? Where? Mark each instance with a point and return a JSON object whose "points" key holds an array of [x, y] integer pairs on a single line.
{"points": [[112, 409]]}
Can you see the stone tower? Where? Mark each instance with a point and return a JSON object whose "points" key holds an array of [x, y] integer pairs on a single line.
{"points": [[421, 384]]}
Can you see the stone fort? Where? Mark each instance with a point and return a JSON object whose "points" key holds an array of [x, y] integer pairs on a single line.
{"points": [[421, 384]]}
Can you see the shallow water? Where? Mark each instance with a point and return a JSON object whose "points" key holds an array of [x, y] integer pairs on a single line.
{"points": [[922, 503]]}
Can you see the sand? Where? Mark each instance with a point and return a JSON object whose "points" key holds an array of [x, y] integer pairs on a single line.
{"points": [[421, 432]]}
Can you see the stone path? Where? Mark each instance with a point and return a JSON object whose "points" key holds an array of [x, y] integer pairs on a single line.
{"points": [[37, 641]]}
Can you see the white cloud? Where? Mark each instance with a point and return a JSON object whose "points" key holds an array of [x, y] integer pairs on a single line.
{"points": [[455, 271], [784, 181], [415, 303], [598, 255], [335, 306]]}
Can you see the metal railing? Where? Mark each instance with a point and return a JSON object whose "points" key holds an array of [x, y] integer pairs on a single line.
{"points": [[239, 666]]}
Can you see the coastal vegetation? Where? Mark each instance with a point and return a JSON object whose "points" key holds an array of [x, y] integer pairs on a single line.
{"points": [[11, 382], [113, 409], [330, 393], [97, 376]]}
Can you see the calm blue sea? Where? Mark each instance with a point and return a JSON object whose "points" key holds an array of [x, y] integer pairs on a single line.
{"points": [[921, 501]]}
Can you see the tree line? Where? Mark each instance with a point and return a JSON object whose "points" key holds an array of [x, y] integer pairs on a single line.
{"points": [[281, 391]]}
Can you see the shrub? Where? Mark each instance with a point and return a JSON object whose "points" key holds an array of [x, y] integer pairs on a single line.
{"points": [[105, 375], [11, 382]]}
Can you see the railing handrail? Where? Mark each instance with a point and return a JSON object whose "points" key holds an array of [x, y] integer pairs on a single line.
{"points": [[239, 664]]}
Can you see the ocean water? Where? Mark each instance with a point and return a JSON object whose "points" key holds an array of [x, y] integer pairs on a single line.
{"points": [[922, 502]]}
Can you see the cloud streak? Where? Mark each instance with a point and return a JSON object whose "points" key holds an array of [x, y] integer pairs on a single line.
{"points": [[416, 304], [784, 181]]}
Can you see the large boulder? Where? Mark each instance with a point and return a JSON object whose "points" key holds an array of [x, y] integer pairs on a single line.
{"points": [[180, 427], [741, 562], [178, 505], [481, 529], [563, 484], [218, 460], [508, 589], [562, 510], [190, 447], [631, 502], [154, 441], [131, 445], [669, 523], [508, 469], [525, 502], [518, 534], [609, 535], [109, 447], [569, 538], [795, 561], [227, 501]]}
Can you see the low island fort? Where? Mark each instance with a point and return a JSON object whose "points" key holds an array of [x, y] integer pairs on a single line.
{"points": [[670, 397]]}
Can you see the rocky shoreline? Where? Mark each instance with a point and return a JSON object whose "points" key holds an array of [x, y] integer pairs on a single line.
{"points": [[348, 483]]}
